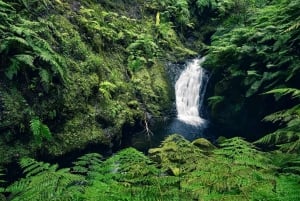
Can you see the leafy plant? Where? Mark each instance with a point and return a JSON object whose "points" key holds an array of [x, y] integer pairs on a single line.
{"points": [[40, 131], [128, 175], [258, 57], [44, 182], [107, 88], [142, 52], [87, 163], [2, 189], [287, 137]]}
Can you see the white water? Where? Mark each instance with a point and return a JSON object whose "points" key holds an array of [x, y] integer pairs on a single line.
{"points": [[189, 90]]}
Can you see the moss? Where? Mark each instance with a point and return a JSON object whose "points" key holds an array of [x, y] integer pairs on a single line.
{"points": [[204, 145], [10, 151], [77, 133], [152, 85], [95, 41], [14, 108]]}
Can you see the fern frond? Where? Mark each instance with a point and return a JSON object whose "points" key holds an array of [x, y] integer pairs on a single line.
{"points": [[45, 76], [288, 187], [243, 152], [32, 167], [25, 59], [107, 88], [11, 41], [295, 93], [284, 115], [45, 182], [13, 69], [287, 140], [22, 30], [39, 130], [87, 163], [2, 189]]}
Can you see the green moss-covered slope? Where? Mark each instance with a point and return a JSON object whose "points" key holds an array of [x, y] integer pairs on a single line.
{"points": [[82, 69]]}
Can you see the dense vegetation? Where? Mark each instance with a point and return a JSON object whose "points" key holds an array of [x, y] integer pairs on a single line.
{"points": [[75, 73], [178, 170], [260, 58]]}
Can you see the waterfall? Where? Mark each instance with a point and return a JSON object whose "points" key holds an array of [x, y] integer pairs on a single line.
{"points": [[189, 90]]}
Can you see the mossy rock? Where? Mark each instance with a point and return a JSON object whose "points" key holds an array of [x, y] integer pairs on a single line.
{"points": [[204, 144], [176, 152], [221, 139]]}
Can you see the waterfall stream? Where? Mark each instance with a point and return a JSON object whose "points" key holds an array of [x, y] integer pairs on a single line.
{"points": [[189, 81], [189, 90]]}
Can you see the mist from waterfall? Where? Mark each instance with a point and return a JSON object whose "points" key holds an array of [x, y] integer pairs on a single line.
{"points": [[189, 90]]}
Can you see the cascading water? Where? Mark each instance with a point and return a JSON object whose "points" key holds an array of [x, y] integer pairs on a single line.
{"points": [[189, 91], [190, 82]]}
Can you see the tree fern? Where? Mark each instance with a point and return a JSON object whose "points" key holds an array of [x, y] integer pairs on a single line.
{"points": [[87, 163], [231, 174], [242, 152], [176, 150], [44, 182], [287, 137], [128, 175]]}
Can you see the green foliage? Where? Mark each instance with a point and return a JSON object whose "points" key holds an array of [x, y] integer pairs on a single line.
{"points": [[128, 175], [72, 72], [33, 52], [235, 171], [176, 10], [87, 163], [31, 3], [142, 52], [40, 131], [287, 137], [174, 154], [44, 182], [295, 93], [242, 152], [106, 88], [2, 190], [258, 56]]}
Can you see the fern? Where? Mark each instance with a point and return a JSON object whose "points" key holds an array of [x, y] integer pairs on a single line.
{"points": [[214, 101], [87, 163], [128, 175], [288, 187], [176, 150], [31, 4], [287, 137], [44, 182], [2, 189], [6, 11], [243, 153], [295, 93], [107, 88], [40, 131]]}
